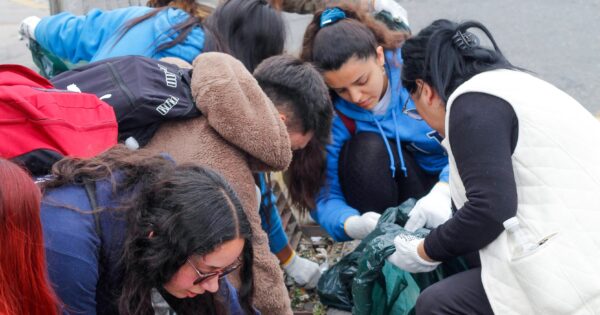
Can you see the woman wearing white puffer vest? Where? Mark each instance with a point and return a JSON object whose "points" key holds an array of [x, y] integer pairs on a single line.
{"points": [[517, 147]]}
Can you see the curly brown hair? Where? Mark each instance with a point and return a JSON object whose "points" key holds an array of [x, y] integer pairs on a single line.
{"points": [[190, 6]]}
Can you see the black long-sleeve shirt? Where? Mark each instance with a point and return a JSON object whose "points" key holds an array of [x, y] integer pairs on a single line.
{"points": [[484, 132]]}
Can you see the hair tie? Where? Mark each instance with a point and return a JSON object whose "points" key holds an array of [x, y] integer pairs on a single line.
{"points": [[465, 40], [331, 15]]}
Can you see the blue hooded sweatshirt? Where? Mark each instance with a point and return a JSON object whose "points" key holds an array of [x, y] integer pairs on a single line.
{"points": [[395, 128], [92, 37]]}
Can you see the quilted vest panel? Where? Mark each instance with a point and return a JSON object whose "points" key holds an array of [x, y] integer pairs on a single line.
{"points": [[557, 172]]}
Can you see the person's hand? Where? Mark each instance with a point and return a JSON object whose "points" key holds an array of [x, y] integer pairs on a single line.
{"points": [[394, 8], [432, 210], [406, 256], [358, 227], [27, 27], [305, 273]]}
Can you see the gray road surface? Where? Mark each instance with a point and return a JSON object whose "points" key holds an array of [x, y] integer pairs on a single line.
{"points": [[12, 50], [558, 40]]}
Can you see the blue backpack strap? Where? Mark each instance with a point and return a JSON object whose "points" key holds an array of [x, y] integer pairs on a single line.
{"points": [[348, 122]]}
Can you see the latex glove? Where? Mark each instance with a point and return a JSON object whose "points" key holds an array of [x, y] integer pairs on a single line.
{"points": [[432, 210], [406, 256], [358, 227], [394, 8], [28, 25], [306, 273]]}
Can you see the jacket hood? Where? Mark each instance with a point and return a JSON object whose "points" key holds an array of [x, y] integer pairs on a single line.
{"points": [[15, 75], [239, 111], [393, 64]]}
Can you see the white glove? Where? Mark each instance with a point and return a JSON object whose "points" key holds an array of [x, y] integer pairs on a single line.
{"points": [[406, 256], [432, 210], [394, 8], [28, 25], [358, 227], [305, 273]]}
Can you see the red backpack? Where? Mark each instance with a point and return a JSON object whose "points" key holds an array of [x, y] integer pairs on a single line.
{"points": [[39, 124]]}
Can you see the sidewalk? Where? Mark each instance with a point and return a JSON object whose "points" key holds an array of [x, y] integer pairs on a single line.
{"points": [[12, 50]]}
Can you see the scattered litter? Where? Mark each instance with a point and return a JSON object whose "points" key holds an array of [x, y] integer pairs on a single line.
{"points": [[324, 251]]}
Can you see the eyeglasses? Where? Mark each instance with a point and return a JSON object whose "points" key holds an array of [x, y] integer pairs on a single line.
{"points": [[410, 112], [220, 273]]}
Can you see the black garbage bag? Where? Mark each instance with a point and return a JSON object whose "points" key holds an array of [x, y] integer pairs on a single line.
{"points": [[365, 283]]}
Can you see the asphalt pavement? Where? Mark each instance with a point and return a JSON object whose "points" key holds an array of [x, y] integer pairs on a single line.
{"points": [[557, 40], [13, 50]]}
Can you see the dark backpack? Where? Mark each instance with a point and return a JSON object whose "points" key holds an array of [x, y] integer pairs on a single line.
{"points": [[39, 124], [143, 92], [348, 122]]}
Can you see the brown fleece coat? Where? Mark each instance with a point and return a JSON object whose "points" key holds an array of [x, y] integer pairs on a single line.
{"points": [[239, 133]]}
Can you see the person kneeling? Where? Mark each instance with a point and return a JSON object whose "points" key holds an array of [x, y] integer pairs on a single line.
{"points": [[124, 224]]}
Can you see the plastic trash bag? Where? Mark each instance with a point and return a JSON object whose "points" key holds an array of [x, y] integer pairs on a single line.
{"points": [[397, 296], [365, 283], [49, 64]]}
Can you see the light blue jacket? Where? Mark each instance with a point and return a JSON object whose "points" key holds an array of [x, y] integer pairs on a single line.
{"points": [[395, 128], [92, 37]]}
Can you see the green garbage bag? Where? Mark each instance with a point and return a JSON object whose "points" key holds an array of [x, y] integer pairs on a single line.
{"points": [[398, 292], [365, 283], [48, 63]]}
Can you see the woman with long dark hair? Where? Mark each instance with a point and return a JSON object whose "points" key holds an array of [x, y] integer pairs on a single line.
{"points": [[126, 223], [239, 118], [250, 30], [524, 179], [24, 285], [379, 155]]}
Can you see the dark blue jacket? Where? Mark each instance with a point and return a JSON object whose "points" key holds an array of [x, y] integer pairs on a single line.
{"points": [[84, 268]]}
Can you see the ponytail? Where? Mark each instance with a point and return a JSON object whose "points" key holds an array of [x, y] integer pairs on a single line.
{"points": [[346, 33], [445, 55], [306, 174]]}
